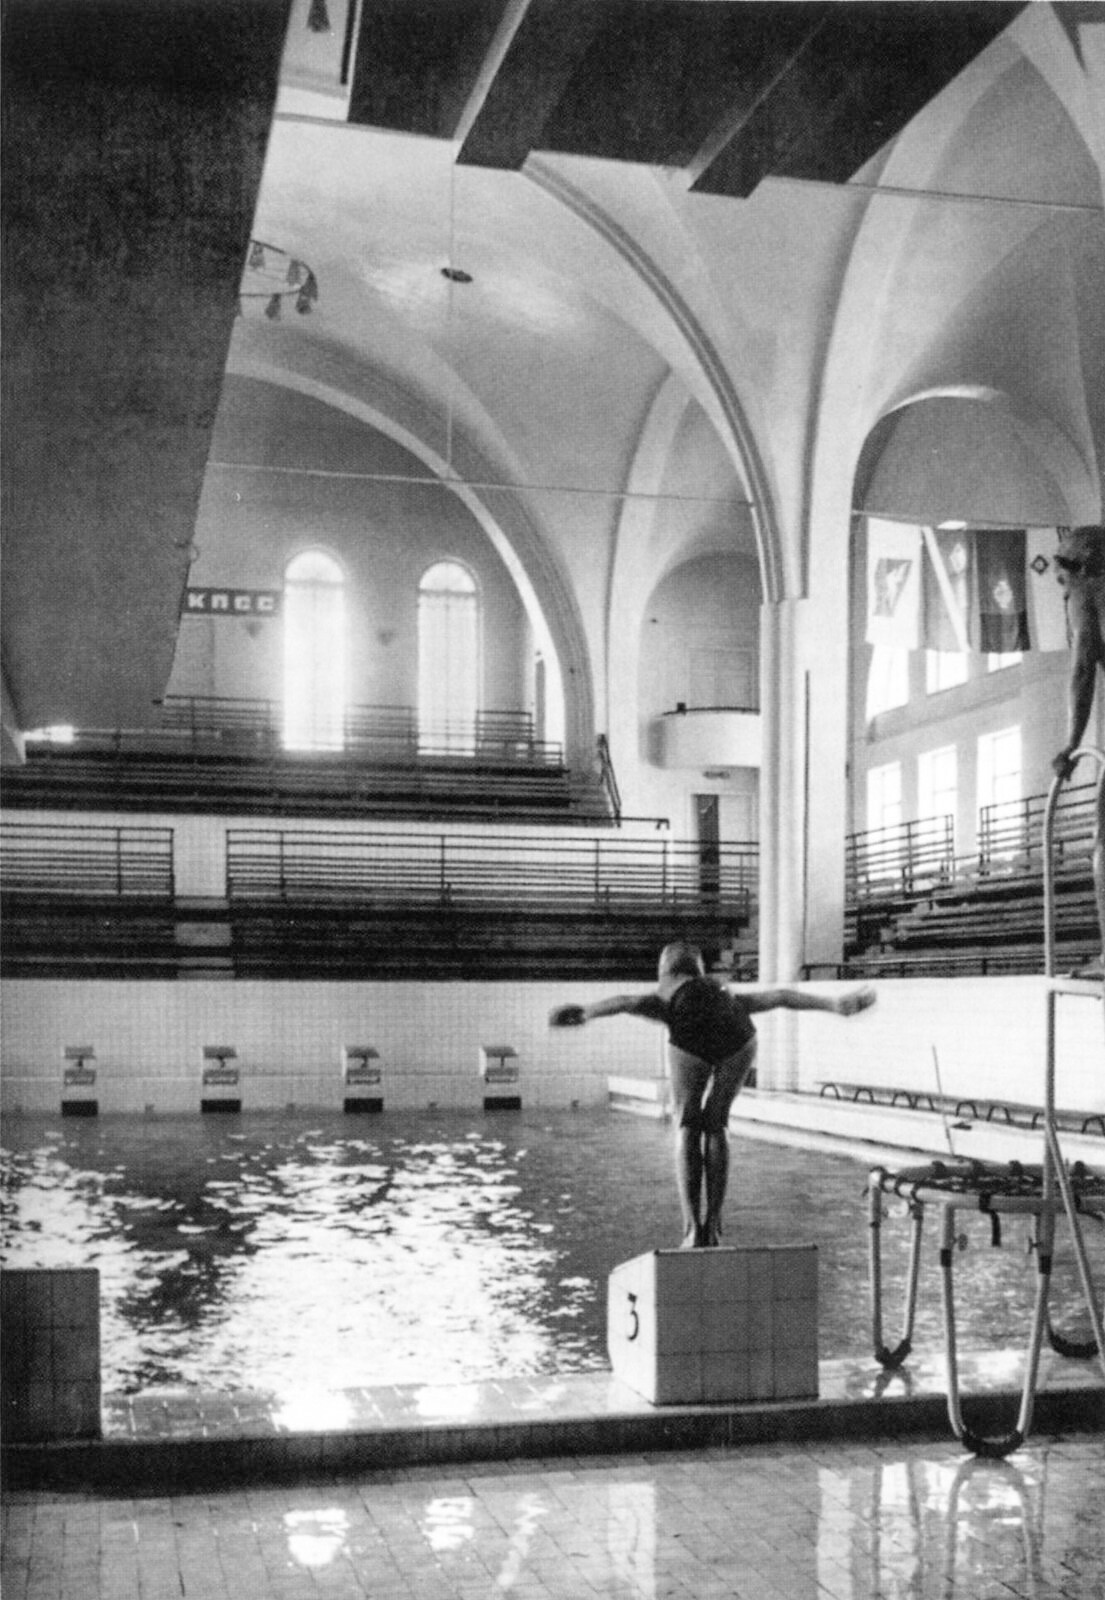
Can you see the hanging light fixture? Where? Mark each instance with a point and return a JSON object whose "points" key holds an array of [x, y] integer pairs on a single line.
{"points": [[271, 276]]}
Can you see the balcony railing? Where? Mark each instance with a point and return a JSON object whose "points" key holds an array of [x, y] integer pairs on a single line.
{"points": [[1010, 835], [475, 872], [900, 860], [213, 723], [43, 860]]}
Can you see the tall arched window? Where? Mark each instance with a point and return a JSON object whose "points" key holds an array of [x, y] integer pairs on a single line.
{"points": [[314, 653], [448, 659]]}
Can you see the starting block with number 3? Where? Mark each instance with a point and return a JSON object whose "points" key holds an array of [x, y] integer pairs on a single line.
{"points": [[709, 1326]]}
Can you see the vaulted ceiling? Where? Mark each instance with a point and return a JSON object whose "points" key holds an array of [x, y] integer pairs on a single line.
{"points": [[134, 141], [734, 92]]}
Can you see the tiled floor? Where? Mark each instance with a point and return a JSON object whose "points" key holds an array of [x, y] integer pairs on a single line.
{"points": [[841, 1521]]}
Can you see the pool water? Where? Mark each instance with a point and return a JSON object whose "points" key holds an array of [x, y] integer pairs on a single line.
{"points": [[271, 1252]]}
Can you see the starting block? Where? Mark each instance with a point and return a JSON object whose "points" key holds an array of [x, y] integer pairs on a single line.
{"points": [[691, 1327], [223, 1078], [363, 1078], [78, 1094], [499, 1071]]}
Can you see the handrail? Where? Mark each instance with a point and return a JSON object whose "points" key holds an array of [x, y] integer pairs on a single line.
{"points": [[609, 780], [507, 734], [84, 860], [1016, 828], [900, 857], [467, 870], [884, 862]]}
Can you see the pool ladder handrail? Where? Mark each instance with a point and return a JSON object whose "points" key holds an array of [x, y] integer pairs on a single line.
{"points": [[1055, 1171], [1054, 1176]]}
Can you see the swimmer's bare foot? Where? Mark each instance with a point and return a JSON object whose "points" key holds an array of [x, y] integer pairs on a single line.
{"points": [[711, 1235], [692, 1239]]}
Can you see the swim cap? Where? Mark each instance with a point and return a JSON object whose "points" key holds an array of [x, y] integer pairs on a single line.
{"points": [[681, 960]]}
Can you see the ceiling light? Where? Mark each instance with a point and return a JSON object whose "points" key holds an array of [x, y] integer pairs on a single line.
{"points": [[272, 276]]}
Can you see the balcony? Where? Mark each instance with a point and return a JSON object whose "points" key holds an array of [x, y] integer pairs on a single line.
{"points": [[711, 736]]}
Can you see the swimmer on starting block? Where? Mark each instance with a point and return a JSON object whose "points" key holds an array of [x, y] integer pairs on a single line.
{"points": [[711, 1054]]}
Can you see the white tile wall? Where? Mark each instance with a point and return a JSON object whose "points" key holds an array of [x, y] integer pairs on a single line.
{"points": [[149, 1038]]}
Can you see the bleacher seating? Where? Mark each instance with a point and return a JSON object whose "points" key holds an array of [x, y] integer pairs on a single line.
{"points": [[914, 910], [470, 906], [88, 901], [447, 945], [97, 901], [226, 756]]}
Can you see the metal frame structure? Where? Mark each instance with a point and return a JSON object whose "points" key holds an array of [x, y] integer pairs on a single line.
{"points": [[1040, 1192]]}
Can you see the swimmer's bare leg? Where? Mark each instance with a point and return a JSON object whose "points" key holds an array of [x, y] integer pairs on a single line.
{"points": [[724, 1086], [688, 1181], [717, 1181]]}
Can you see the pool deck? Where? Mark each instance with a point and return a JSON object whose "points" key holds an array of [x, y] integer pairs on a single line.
{"points": [[165, 1440]]}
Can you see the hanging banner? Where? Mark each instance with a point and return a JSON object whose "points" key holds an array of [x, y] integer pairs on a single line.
{"points": [[231, 602], [948, 585], [893, 584], [1002, 618], [1047, 606]]}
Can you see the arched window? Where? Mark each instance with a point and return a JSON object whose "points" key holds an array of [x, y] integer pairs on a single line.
{"points": [[448, 659], [314, 653]]}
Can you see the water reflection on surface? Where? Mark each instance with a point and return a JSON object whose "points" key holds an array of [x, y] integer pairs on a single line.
{"points": [[307, 1255]]}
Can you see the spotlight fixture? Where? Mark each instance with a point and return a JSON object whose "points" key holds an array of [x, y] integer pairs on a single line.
{"points": [[272, 276], [456, 275]]}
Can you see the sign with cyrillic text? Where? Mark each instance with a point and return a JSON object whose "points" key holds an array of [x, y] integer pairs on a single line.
{"points": [[231, 602]]}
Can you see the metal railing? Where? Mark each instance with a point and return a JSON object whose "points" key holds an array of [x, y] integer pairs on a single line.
{"points": [[900, 860], [77, 861], [1011, 834], [462, 871], [607, 778], [373, 733]]}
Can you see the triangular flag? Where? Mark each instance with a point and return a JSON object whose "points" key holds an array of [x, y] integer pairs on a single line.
{"points": [[893, 584], [1047, 609]]}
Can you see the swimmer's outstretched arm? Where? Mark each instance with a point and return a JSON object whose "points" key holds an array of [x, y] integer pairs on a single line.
{"points": [[632, 1005], [845, 1005]]}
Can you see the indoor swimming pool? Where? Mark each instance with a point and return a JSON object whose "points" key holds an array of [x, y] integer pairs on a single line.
{"points": [[268, 1252]]}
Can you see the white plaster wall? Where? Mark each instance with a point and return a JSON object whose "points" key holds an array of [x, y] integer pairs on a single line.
{"points": [[988, 1035]]}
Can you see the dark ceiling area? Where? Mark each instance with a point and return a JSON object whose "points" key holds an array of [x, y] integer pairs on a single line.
{"points": [[737, 92], [133, 141]]}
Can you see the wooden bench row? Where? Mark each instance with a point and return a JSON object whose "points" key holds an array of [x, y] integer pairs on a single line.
{"points": [[308, 786]]}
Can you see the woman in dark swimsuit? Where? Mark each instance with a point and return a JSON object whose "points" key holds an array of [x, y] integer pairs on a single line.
{"points": [[711, 1053]]}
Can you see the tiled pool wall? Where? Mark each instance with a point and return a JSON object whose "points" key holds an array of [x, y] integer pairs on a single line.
{"points": [[980, 1036]]}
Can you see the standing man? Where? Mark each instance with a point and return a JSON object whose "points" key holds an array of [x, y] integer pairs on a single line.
{"points": [[711, 1053], [1081, 563]]}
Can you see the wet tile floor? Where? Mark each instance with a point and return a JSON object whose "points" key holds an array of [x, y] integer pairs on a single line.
{"points": [[844, 1386], [905, 1520], [812, 1518]]}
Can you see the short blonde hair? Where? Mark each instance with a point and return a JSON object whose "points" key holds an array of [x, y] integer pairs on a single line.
{"points": [[681, 960]]}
